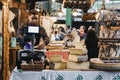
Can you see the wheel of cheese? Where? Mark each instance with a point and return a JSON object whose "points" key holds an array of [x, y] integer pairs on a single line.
{"points": [[78, 58], [96, 63]]}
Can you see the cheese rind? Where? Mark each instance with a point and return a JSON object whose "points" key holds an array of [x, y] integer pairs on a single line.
{"points": [[78, 58], [58, 65], [82, 65]]}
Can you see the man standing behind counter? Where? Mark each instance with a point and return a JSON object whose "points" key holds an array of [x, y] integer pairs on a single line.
{"points": [[26, 37]]}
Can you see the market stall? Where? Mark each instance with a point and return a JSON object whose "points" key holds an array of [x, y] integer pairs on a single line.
{"points": [[66, 59], [65, 75]]}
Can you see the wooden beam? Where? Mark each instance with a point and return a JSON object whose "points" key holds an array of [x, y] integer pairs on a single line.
{"points": [[5, 13], [13, 4], [88, 16], [19, 5], [84, 5]]}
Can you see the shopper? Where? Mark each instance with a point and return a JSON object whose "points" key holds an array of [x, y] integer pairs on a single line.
{"points": [[103, 33], [33, 21], [91, 43], [68, 30], [55, 36], [61, 33], [82, 33]]}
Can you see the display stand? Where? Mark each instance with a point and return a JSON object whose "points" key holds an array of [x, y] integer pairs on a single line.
{"points": [[109, 56]]}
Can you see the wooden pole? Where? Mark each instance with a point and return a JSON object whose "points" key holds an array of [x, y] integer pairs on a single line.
{"points": [[5, 14]]}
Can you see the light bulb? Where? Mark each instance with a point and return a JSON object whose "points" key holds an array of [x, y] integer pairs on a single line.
{"points": [[53, 0]]}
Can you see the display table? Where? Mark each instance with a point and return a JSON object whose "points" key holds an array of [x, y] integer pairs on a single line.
{"points": [[64, 75]]}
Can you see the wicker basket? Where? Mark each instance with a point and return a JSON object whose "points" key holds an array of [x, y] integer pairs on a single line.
{"points": [[98, 64], [32, 67]]}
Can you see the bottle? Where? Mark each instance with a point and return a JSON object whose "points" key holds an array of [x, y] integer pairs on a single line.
{"points": [[13, 40]]}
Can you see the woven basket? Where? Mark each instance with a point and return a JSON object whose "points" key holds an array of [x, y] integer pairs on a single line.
{"points": [[32, 67], [98, 64]]}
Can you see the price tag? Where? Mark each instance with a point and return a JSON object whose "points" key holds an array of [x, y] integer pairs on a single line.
{"points": [[24, 54]]}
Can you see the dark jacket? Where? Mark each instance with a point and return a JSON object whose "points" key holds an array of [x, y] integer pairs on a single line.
{"points": [[28, 37], [91, 43]]}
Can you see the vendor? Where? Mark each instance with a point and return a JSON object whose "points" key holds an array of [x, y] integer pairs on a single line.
{"points": [[33, 21]]}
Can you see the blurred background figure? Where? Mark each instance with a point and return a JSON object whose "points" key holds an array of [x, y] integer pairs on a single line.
{"points": [[91, 43], [58, 34], [75, 37], [82, 33], [90, 27], [68, 30], [54, 36], [103, 32], [61, 32]]}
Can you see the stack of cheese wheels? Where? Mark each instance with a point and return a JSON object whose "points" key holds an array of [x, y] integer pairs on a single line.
{"points": [[78, 55]]}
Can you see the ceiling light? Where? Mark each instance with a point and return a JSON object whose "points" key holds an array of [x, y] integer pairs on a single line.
{"points": [[74, 12]]}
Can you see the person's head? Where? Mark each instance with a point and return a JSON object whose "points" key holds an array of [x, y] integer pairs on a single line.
{"points": [[61, 29], [67, 27], [90, 27], [82, 28], [102, 27], [56, 31], [33, 17], [91, 34], [74, 32]]}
